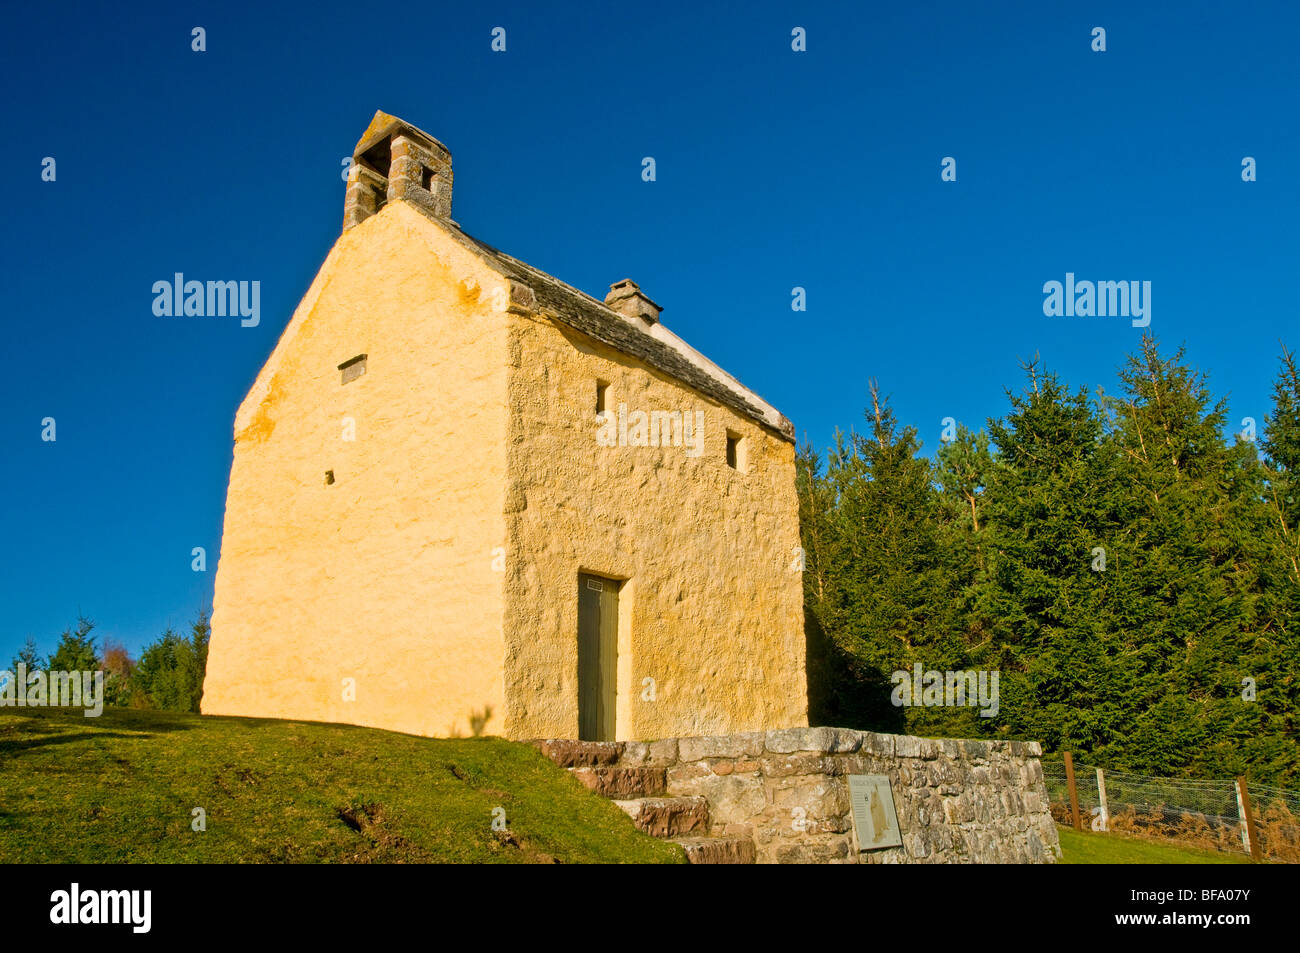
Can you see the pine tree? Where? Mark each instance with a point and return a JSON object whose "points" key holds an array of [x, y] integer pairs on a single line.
{"points": [[76, 650], [1049, 529], [1191, 589], [200, 633], [28, 656], [880, 588], [1131, 573], [169, 674], [1271, 748], [1281, 446], [963, 466]]}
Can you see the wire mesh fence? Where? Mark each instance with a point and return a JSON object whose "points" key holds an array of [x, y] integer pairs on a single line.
{"points": [[1198, 813]]}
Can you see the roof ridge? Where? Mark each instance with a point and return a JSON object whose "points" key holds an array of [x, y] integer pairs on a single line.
{"points": [[615, 330]]}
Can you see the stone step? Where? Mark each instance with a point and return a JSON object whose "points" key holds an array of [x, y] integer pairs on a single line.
{"points": [[624, 782], [719, 850], [668, 816], [568, 753]]}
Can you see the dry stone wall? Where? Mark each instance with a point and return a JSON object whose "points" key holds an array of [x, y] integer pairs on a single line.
{"points": [[957, 801]]}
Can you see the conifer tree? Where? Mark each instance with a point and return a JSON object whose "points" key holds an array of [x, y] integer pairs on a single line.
{"points": [[1132, 573], [169, 674], [76, 650], [1050, 534], [28, 656], [1281, 446], [885, 600]]}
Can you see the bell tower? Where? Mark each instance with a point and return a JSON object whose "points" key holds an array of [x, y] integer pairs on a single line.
{"points": [[394, 160]]}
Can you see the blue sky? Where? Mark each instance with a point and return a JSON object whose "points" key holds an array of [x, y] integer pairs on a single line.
{"points": [[775, 169]]}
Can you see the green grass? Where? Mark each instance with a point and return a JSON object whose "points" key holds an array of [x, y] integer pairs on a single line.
{"points": [[122, 787], [1086, 847]]}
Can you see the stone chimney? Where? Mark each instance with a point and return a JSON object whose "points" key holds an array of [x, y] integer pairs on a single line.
{"points": [[393, 161], [626, 298]]}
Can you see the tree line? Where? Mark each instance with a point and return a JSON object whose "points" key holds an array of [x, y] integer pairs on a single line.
{"points": [[168, 675], [1132, 573]]}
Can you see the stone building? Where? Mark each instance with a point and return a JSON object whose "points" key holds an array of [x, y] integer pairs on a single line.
{"points": [[467, 496]]}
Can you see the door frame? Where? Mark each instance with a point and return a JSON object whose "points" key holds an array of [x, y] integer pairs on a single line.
{"points": [[622, 646]]}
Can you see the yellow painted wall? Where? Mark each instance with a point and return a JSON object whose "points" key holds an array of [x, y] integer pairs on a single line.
{"points": [[386, 576], [712, 609], [476, 440]]}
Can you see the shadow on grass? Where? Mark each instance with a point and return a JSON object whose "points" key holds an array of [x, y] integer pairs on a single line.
{"points": [[40, 727], [36, 726], [15, 747]]}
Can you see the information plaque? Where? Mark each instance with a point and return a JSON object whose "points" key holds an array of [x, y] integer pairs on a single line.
{"points": [[872, 802]]}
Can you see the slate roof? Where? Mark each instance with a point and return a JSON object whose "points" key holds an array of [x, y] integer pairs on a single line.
{"points": [[584, 313]]}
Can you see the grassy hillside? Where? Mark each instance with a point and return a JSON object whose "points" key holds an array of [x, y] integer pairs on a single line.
{"points": [[1086, 847], [122, 788]]}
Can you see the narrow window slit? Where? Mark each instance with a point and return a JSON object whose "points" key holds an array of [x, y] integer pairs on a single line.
{"points": [[735, 451]]}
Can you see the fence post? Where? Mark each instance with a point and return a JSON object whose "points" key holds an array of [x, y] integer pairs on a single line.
{"points": [[1101, 797], [1248, 833], [1074, 793]]}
